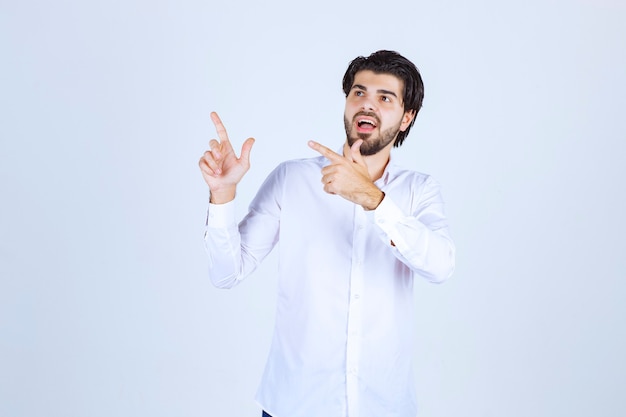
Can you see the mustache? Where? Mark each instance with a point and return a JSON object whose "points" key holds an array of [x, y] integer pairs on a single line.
{"points": [[367, 114]]}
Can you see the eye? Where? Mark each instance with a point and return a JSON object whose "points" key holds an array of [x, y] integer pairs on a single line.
{"points": [[386, 99], [359, 93]]}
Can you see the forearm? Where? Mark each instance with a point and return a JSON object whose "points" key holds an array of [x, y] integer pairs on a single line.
{"points": [[422, 242], [372, 198], [235, 250]]}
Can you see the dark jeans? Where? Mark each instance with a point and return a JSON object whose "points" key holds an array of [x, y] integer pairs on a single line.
{"points": [[265, 414]]}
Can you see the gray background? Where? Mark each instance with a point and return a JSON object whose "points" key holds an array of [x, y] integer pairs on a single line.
{"points": [[105, 306]]}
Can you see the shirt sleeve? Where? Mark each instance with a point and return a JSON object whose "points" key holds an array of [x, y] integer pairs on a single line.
{"points": [[421, 240], [222, 243], [235, 250]]}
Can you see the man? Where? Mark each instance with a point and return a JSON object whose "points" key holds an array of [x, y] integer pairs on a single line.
{"points": [[349, 249]]}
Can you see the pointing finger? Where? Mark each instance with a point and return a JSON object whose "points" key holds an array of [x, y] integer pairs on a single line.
{"points": [[221, 130], [324, 151]]}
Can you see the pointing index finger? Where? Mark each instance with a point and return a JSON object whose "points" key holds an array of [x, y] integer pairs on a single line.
{"points": [[219, 127], [324, 151]]}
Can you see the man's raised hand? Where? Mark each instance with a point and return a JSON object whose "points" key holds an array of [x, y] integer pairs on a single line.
{"points": [[349, 176], [221, 168]]}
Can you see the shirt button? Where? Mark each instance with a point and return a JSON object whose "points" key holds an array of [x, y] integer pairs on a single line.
{"points": [[357, 296]]}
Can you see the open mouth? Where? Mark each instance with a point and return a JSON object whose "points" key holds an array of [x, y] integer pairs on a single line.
{"points": [[365, 124]]}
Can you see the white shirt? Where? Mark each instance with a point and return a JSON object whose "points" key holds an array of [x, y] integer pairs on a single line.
{"points": [[342, 343]]}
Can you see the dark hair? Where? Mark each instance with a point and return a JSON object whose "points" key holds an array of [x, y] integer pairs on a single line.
{"points": [[390, 62]]}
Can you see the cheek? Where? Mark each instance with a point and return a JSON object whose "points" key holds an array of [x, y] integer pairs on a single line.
{"points": [[393, 119], [349, 112], [351, 105]]}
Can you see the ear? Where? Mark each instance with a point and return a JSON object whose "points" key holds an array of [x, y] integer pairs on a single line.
{"points": [[407, 118]]}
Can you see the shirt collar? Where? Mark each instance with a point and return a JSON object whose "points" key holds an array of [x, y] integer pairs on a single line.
{"points": [[387, 173]]}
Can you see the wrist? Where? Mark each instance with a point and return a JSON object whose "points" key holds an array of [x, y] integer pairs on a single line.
{"points": [[375, 200], [222, 196]]}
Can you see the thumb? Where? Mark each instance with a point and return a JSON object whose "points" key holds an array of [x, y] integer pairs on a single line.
{"points": [[245, 150], [355, 153]]}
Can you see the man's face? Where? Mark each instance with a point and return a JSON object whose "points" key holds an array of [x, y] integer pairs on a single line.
{"points": [[375, 111]]}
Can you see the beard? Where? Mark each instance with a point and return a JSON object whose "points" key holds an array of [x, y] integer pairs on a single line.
{"points": [[371, 144]]}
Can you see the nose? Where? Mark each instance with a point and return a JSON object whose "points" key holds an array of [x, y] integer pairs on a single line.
{"points": [[367, 104]]}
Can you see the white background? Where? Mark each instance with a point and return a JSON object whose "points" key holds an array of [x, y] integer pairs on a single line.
{"points": [[105, 306]]}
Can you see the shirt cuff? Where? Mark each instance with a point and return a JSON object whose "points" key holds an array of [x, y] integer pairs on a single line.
{"points": [[387, 214], [221, 215]]}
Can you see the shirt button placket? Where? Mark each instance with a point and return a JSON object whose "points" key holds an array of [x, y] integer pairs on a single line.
{"points": [[353, 347]]}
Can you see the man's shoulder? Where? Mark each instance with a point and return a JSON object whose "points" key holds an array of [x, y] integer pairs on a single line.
{"points": [[400, 173], [302, 163], [300, 169]]}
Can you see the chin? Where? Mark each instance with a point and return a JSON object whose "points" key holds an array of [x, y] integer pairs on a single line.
{"points": [[367, 151], [368, 148]]}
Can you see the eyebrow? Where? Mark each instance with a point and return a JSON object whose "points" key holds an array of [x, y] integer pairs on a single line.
{"points": [[381, 91]]}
